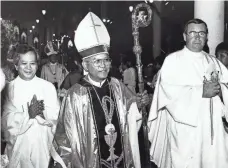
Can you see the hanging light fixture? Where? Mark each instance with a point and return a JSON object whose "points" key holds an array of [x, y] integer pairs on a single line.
{"points": [[131, 8], [43, 11], [33, 27], [37, 20]]}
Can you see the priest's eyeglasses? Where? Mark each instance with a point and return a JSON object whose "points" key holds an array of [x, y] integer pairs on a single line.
{"points": [[194, 33], [99, 62]]}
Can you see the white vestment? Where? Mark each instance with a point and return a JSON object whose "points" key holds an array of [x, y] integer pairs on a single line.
{"points": [[2, 80], [180, 119], [29, 141], [129, 79]]}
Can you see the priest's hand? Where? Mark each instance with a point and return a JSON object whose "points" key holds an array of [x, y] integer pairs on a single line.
{"points": [[41, 109], [35, 108], [211, 89], [142, 99]]}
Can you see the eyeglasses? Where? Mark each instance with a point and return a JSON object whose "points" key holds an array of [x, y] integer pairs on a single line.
{"points": [[99, 62], [194, 34]]}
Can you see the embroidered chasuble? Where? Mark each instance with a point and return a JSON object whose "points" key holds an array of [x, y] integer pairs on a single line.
{"points": [[94, 133]]}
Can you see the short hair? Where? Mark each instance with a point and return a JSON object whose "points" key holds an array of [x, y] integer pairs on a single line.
{"points": [[23, 49], [221, 46], [195, 21], [160, 60]]}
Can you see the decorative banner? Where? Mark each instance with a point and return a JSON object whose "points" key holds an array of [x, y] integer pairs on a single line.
{"points": [[70, 44], [17, 32], [23, 38], [36, 40]]}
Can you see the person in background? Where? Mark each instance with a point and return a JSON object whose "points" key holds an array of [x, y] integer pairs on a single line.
{"points": [[149, 72], [114, 72], [158, 64], [221, 53], [129, 75], [101, 115], [53, 71], [30, 113], [75, 75], [186, 114], [7, 75]]}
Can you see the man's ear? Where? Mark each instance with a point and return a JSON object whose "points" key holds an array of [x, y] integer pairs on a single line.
{"points": [[16, 67], [84, 65], [184, 36]]}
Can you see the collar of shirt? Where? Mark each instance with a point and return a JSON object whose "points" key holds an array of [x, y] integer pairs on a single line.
{"points": [[26, 82], [97, 84], [53, 64]]}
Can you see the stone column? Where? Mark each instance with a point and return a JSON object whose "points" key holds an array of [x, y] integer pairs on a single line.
{"points": [[156, 23], [212, 12]]}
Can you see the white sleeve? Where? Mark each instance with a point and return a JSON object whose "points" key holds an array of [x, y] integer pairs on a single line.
{"points": [[51, 108], [51, 103], [2, 80]]}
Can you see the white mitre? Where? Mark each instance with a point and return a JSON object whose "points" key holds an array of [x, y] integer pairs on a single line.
{"points": [[91, 37]]}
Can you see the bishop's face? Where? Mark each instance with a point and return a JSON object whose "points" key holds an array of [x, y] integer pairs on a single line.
{"points": [[27, 66], [98, 67]]}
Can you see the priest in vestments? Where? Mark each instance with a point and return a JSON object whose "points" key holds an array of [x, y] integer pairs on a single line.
{"points": [[53, 71], [30, 114], [100, 116], [221, 53], [190, 103]]}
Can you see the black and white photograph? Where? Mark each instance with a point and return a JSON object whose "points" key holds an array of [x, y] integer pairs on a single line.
{"points": [[114, 84]]}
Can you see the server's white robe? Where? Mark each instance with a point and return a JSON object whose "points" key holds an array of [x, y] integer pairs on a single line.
{"points": [[29, 141]]}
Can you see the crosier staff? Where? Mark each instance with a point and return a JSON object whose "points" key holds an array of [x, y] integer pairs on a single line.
{"points": [[139, 19]]}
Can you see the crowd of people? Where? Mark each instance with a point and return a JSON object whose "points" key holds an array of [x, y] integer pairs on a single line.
{"points": [[86, 118]]}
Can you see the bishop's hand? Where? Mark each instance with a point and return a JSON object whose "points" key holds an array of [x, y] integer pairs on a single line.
{"points": [[36, 107], [142, 99]]}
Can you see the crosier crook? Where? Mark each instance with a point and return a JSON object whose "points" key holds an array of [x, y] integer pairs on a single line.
{"points": [[139, 19]]}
